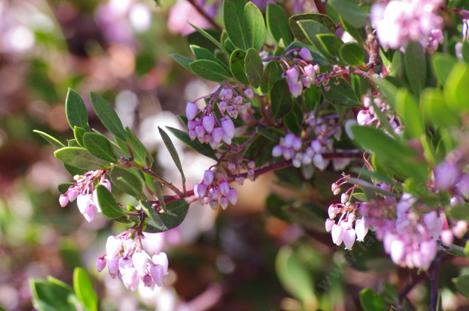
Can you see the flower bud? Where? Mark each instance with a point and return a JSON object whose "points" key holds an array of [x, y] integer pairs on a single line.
{"points": [[228, 129], [277, 151], [232, 196], [397, 251], [328, 225], [208, 177], [191, 110], [113, 247], [249, 93], [208, 123], [337, 233], [100, 264], [63, 200], [305, 54], [349, 238], [446, 175], [361, 229]]}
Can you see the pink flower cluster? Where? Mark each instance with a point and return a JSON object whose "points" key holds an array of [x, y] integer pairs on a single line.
{"points": [[83, 190], [342, 222], [409, 237], [368, 116], [309, 150], [205, 124], [302, 73], [135, 261], [400, 21], [409, 232], [448, 176], [241, 169], [215, 190]]}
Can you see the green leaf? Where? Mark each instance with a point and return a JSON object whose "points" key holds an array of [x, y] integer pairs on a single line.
{"points": [[233, 19], [75, 110], [280, 98], [352, 54], [408, 110], [390, 152], [435, 110], [387, 89], [456, 88], [341, 94], [107, 203], [253, 67], [462, 284], [127, 181], [197, 146], [237, 65], [169, 218], [294, 119], [294, 275], [78, 133], [310, 30], [277, 22], [51, 296], [460, 212], [50, 139], [182, 60], [141, 155], [203, 53], [209, 37], [210, 70], [442, 65], [254, 26], [330, 43], [322, 22], [84, 289], [272, 73], [79, 157], [99, 146], [415, 67], [172, 151], [465, 51], [107, 116], [371, 301], [353, 14]]}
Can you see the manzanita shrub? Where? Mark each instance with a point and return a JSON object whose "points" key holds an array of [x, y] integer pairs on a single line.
{"points": [[368, 101]]}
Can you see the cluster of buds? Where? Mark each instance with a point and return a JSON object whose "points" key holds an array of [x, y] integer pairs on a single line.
{"points": [[408, 237], [213, 124], [368, 116], [134, 260], [215, 190], [83, 190], [302, 73], [342, 222], [241, 169], [449, 176], [398, 22], [291, 148], [303, 152]]}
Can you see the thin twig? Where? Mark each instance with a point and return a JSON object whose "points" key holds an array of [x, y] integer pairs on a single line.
{"points": [[414, 282], [204, 14], [434, 271]]}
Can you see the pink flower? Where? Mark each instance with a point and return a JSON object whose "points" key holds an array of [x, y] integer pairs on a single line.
{"points": [[191, 110], [181, 15], [446, 175]]}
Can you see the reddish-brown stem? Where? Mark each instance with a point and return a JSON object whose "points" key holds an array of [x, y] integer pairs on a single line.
{"points": [[204, 14], [320, 6], [262, 170]]}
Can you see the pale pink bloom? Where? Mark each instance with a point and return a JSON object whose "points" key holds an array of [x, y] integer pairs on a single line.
{"points": [[181, 15]]}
